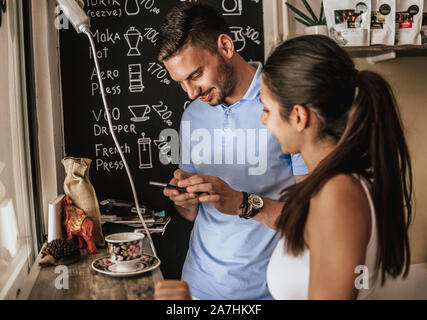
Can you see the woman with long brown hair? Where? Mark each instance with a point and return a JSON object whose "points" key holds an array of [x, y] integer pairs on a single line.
{"points": [[352, 213]]}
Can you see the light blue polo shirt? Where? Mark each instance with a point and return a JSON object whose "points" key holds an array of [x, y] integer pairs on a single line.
{"points": [[228, 255]]}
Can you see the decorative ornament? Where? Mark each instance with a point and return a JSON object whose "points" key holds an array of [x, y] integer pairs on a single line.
{"points": [[79, 225]]}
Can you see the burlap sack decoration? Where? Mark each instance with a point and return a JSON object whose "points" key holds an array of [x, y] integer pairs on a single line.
{"points": [[78, 187]]}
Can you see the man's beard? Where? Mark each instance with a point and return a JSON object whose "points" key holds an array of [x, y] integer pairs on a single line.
{"points": [[226, 82]]}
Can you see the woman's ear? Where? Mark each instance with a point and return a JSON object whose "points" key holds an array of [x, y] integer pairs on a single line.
{"points": [[225, 46], [300, 117]]}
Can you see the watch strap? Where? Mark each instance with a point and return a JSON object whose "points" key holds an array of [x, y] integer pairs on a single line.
{"points": [[244, 206]]}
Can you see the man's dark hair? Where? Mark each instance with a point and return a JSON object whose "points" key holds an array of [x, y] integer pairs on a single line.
{"points": [[190, 23]]}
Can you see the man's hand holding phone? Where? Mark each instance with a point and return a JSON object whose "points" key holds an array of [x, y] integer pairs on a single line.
{"points": [[189, 202]]}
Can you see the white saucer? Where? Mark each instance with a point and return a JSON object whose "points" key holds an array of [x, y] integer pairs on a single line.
{"points": [[105, 266], [115, 267]]}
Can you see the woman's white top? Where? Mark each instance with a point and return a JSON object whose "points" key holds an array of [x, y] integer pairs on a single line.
{"points": [[288, 276]]}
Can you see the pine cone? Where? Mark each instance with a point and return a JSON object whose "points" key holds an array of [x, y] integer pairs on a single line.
{"points": [[59, 251]]}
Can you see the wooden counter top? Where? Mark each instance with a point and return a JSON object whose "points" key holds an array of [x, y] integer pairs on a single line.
{"points": [[84, 283]]}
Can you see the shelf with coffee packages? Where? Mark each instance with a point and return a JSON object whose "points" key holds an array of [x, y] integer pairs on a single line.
{"points": [[378, 30], [400, 51]]}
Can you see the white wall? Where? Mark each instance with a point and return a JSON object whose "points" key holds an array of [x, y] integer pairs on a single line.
{"points": [[49, 117], [408, 78]]}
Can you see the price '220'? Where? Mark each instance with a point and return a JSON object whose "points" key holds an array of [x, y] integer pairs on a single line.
{"points": [[163, 112]]}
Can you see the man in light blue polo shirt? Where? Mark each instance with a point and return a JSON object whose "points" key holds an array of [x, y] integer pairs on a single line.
{"points": [[221, 135]]}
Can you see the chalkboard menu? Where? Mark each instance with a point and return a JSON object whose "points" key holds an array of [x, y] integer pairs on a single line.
{"points": [[143, 100]]}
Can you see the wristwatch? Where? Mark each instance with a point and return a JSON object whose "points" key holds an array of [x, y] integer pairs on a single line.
{"points": [[251, 205]]}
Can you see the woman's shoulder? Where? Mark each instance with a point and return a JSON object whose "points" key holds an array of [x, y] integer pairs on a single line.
{"points": [[340, 206], [339, 189]]}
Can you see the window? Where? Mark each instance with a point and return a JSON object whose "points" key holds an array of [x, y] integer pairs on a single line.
{"points": [[17, 227]]}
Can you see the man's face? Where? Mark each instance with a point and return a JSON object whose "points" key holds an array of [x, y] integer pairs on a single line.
{"points": [[202, 74]]}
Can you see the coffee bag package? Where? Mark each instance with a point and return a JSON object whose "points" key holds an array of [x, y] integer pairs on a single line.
{"points": [[409, 16], [383, 17], [424, 25], [349, 21]]}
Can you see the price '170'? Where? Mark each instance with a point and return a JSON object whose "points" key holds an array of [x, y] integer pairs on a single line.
{"points": [[159, 71]]}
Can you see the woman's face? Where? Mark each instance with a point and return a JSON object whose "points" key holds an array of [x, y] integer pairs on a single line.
{"points": [[283, 129]]}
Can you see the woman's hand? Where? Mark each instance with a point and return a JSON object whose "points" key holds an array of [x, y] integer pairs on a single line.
{"points": [[172, 290], [214, 190]]}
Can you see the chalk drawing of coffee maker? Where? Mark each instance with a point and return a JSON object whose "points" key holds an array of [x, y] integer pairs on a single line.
{"points": [[135, 78], [144, 147], [232, 7], [133, 36], [132, 7], [140, 112]]}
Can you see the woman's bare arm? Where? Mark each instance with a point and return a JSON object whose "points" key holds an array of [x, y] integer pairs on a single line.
{"points": [[337, 233]]}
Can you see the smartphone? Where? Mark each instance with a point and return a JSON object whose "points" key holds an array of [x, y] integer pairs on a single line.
{"points": [[167, 185], [170, 186]]}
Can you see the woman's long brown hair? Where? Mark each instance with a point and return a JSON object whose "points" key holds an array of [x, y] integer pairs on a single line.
{"points": [[359, 111]]}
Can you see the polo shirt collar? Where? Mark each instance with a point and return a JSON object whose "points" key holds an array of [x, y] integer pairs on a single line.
{"points": [[254, 88]]}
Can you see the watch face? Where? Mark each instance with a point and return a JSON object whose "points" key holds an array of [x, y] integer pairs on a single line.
{"points": [[256, 201]]}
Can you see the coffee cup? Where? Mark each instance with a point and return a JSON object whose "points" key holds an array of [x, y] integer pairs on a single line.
{"points": [[125, 250]]}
